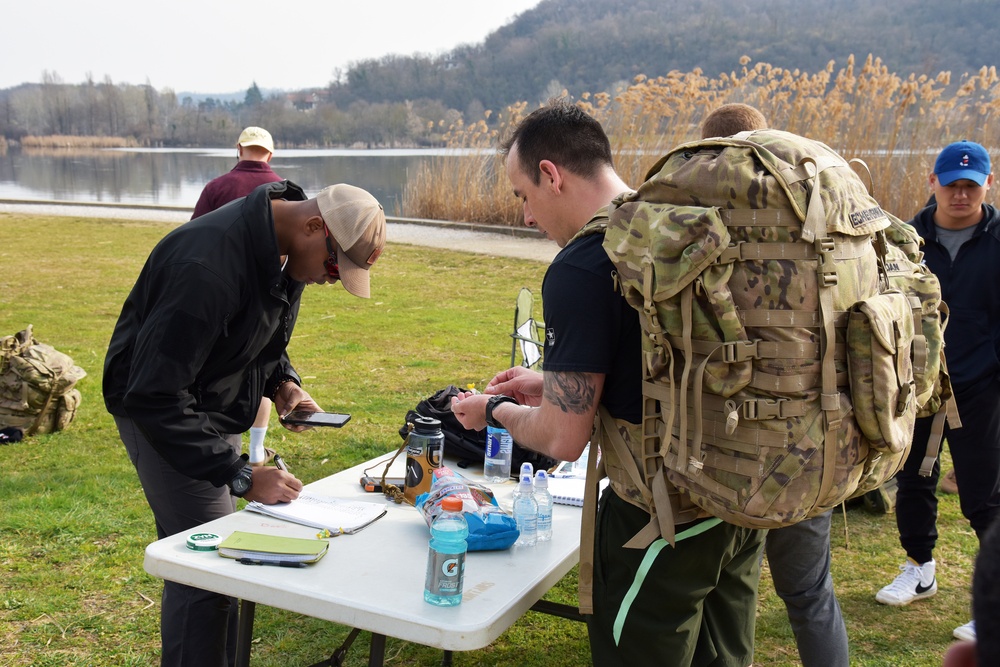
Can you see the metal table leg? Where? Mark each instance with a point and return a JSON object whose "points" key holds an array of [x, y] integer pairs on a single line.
{"points": [[376, 653], [244, 634]]}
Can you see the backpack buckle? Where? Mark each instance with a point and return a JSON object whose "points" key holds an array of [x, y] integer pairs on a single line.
{"points": [[732, 253], [740, 350], [827, 267], [762, 408]]}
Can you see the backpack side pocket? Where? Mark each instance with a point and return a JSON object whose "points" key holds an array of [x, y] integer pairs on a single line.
{"points": [[879, 338]]}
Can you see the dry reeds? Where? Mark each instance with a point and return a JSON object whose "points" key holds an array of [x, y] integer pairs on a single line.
{"points": [[67, 141], [896, 124]]}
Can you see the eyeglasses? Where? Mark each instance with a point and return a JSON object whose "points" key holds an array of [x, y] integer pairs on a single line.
{"points": [[330, 263]]}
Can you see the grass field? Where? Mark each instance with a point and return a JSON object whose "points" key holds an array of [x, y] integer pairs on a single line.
{"points": [[74, 522]]}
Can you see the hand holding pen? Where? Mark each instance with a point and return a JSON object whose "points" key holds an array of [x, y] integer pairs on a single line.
{"points": [[274, 484]]}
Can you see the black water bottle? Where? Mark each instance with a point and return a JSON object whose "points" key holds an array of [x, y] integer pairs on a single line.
{"points": [[424, 452]]}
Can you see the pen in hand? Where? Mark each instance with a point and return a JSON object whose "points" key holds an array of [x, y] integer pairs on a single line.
{"points": [[280, 462], [276, 563]]}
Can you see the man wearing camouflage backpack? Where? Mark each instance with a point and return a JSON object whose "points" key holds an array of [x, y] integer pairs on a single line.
{"points": [[798, 556], [687, 598], [962, 247]]}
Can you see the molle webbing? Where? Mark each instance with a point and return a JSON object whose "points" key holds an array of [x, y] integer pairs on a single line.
{"points": [[746, 258]]}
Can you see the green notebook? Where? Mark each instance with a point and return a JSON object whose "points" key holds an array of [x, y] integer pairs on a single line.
{"points": [[272, 548]]}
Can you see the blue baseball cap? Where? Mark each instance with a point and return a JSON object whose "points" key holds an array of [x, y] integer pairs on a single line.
{"points": [[962, 159]]}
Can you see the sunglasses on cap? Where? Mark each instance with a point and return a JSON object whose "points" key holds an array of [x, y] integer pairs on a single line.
{"points": [[330, 263]]}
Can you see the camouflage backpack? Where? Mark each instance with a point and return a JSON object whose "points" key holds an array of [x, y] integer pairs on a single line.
{"points": [[36, 385], [907, 272], [778, 379]]}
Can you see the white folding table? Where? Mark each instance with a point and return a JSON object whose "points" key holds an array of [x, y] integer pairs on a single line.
{"points": [[373, 580]]}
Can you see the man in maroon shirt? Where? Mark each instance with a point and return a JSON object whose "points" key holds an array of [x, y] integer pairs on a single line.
{"points": [[254, 149]]}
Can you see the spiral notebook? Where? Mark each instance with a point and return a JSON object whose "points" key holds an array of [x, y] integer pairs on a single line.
{"points": [[569, 490], [272, 548]]}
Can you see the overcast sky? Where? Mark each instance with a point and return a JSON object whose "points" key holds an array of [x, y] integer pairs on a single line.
{"points": [[217, 46]]}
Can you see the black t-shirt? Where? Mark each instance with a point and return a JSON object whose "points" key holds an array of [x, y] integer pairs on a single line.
{"points": [[590, 328]]}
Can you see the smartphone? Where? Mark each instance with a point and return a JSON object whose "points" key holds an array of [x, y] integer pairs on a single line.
{"points": [[373, 484], [307, 418]]}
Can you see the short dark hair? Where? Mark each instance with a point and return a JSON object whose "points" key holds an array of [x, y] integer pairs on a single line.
{"points": [[986, 597], [730, 119], [562, 133]]}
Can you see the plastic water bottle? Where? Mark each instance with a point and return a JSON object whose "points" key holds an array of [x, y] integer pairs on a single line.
{"points": [[526, 469], [544, 500], [526, 514], [579, 468], [446, 556], [499, 450]]}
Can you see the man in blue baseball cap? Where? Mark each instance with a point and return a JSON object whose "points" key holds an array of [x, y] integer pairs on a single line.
{"points": [[961, 235]]}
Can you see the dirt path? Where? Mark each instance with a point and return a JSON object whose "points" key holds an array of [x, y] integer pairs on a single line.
{"points": [[461, 237]]}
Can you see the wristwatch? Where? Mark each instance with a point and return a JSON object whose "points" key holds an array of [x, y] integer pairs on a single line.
{"points": [[492, 403], [240, 484]]}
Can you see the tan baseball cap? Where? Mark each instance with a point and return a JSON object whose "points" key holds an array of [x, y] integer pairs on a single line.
{"points": [[357, 224], [256, 136]]}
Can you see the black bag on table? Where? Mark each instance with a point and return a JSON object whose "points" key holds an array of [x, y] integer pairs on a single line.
{"points": [[467, 445]]}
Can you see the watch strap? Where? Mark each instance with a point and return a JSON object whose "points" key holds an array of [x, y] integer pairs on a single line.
{"points": [[491, 404], [245, 472]]}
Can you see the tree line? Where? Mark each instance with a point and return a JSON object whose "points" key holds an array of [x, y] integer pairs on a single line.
{"points": [[576, 46], [157, 118]]}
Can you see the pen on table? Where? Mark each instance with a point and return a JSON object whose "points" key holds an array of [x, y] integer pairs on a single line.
{"points": [[280, 462], [276, 563]]}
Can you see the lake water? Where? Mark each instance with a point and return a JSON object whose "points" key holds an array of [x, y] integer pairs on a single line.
{"points": [[175, 177]]}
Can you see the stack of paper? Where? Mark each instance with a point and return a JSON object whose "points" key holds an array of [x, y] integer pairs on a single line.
{"points": [[272, 548], [335, 514]]}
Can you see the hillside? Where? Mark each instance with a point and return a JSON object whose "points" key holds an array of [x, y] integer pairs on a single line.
{"points": [[589, 45], [582, 46]]}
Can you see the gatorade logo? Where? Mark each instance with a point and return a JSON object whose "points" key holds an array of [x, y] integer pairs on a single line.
{"points": [[449, 568]]}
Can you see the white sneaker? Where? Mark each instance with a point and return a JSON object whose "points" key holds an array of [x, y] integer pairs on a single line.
{"points": [[915, 582], [965, 632]]}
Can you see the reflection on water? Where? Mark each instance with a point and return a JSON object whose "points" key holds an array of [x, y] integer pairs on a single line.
{"points": [[175, 177]]}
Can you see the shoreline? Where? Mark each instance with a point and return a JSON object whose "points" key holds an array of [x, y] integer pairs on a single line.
{"points": [[517, 242]]}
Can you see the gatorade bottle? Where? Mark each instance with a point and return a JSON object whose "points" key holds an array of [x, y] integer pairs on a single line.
{"points": [[526, 514], [446, 557], [544, 500]]}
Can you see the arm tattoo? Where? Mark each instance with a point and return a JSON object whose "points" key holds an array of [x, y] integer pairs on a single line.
{"points": [[572, 392]]}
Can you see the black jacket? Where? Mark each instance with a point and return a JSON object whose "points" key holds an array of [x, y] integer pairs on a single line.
{"points": [[971, 287], [202, 335]]}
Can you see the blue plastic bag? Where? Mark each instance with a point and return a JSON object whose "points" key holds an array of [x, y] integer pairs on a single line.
{"points": [[490, 528]]}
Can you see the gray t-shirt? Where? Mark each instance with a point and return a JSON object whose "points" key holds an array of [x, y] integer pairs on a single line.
{"points": [[952, 239]]}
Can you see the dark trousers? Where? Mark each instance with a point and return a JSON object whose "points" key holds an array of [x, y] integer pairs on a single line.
{"points": [[799, 560], [197, 628], [975, 451], [693, 605]]}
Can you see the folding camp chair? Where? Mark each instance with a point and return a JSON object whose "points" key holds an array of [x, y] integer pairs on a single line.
{"points": [[528, 331]]}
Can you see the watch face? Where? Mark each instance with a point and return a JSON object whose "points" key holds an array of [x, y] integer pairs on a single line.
{"points": [[241, 483]]}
